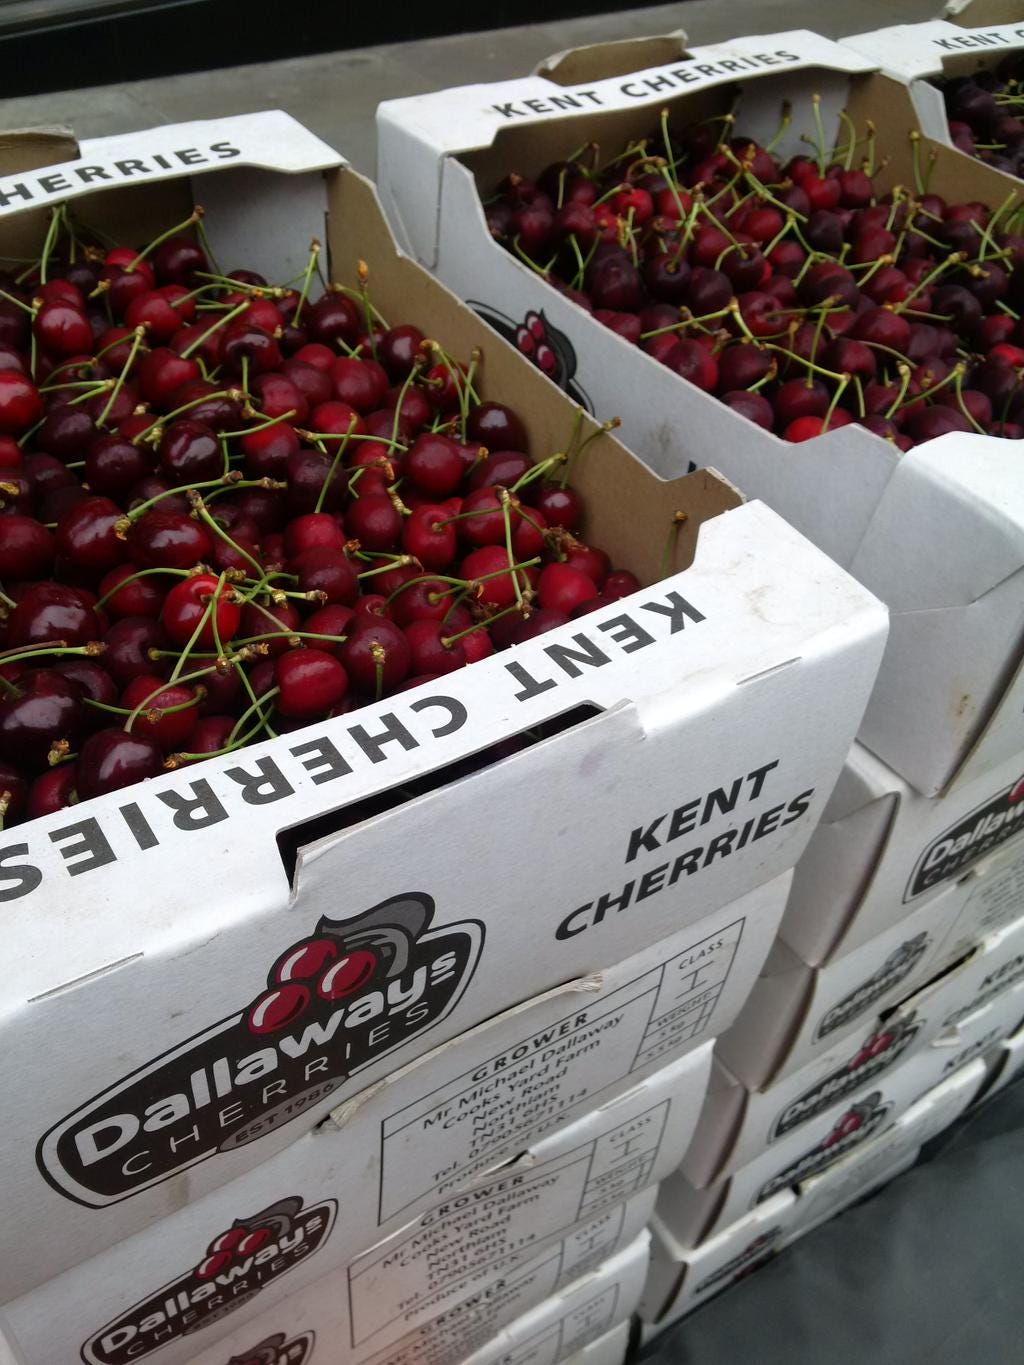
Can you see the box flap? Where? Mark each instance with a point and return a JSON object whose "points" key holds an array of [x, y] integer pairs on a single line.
{"points": [[912, 51], [968, 13], [271, 140], [601, 61]]}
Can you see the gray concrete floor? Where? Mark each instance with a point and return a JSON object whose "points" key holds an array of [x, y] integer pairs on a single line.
{"points": [[336, 94]]}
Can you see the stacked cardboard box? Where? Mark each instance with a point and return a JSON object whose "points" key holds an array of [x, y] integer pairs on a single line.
{"points": [[900, 945], [457, 1163]]}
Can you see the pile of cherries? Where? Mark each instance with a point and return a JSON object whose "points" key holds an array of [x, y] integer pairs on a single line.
{"points": [[985, 115], [796, 292], [228, 509]]}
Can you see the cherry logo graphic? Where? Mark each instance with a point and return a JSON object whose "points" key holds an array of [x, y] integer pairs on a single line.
{"points": [[333, 1002], [854, 1118], [335, 964], [896, 968], [236, 1266], [278, 1350], [993, 822], [549, 349]]}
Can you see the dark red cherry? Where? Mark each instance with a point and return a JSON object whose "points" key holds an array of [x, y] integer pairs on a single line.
{"points": [[47, 708], [50, 612], [88, 538], [26, 548], [113, 758]]}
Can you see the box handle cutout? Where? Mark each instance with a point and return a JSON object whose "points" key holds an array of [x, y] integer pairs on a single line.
{"points": [[290, 840]]}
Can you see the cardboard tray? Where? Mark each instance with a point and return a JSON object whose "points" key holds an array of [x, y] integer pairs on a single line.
{"points": [[920, 54], [167, 905], [937, 533]]}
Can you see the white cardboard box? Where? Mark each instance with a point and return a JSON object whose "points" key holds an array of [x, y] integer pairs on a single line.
{"points": [[918, 54], [995, 901], [878, 1161], [696, 1213], [738, 1124], [574, 1320], [1005, 1063], [797, 1013], [993, 968], [883, 849], [145, 1294], [609, 1349], [682, 1278], [938, 533], [167, 905], [437, 1122]]}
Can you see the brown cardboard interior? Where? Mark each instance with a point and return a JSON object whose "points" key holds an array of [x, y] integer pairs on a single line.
{"points": [[947, 172], [630, 512], [601, 61], [980, 13]]}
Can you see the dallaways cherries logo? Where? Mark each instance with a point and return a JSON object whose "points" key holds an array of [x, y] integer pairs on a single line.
{"points": [[896, 968], [278, 1350], [333, 1003], [234, 1267], [860, 1122], [978, 832], [881, 1049]]}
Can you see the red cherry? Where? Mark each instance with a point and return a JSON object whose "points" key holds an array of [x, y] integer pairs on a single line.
{"points": [[562, 588], [429, 652], [1016, 794], [52, 791], [192, 599], [47, 707], [88, 535], [311, 682], [376, 654], [26, 548], [489, 567], [62, 329], [48, 612], [329, 572], [349, 974], [172, 729], [277, 1008], [112, 759], [20, 403]]}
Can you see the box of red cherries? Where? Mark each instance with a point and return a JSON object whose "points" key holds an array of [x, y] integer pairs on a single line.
{"points": [[356, 685]]}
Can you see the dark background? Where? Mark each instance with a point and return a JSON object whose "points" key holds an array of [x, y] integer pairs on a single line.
{"points": [[66, 44]]}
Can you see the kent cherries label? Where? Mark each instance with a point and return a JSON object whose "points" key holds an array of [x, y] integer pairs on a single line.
{"points": [[332, 1004], [896, 968], [880, 1050], [278, 1350], [235, 1265], [992, 823], [861, 1121]]}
